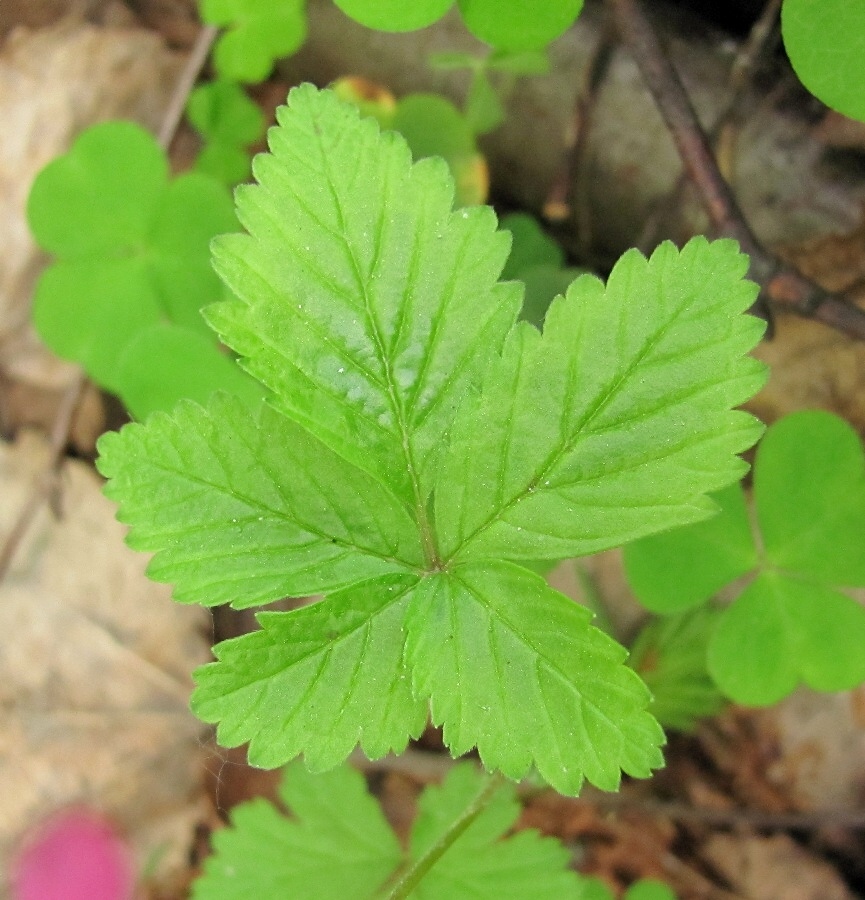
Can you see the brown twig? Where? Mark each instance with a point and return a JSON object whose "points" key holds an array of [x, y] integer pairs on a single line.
{"points": [[782, 285], [185, 84], [761, 38], [724, 136], [46, 486], [566, 194]]}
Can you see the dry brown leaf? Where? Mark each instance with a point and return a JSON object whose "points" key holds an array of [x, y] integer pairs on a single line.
{"points": [[94, 673], [811, 365], [821, 749], [773, 868]]}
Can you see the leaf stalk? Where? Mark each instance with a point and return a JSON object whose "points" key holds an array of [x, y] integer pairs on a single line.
{"points": [[414, 871]]}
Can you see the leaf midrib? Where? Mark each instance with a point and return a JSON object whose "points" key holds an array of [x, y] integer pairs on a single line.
{"points": [[424, 527]]}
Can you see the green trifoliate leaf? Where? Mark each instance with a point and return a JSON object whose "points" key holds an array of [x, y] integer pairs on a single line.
{"points": [[395, 15], [394, 294], [132, 246], [809, 490], [338, 844], [226, 163], [791, 623], [530, 682], [164, 364], [259, 33], [371, 311], [783, 630], [670, 655], [247, 508], [222, 111], [229, 122], [677, 570], [616, 421], [318, 680], [519, 24], [824, 42]]}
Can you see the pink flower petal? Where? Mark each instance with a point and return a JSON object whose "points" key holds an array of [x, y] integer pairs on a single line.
{"points": [[76, 855]]}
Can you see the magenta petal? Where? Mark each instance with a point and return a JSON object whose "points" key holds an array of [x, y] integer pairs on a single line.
{"points": [[76, 855]]}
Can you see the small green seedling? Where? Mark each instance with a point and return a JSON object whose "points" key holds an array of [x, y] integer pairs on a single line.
{"points": [[259, 32], [670, 656], [484, 107], [132, 269], [825, 40], [537, 261], [229, 122], [803, 545], [422, 444]]}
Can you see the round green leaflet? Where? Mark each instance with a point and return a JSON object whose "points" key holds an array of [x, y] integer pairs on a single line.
{"points": [[825, 40], [395, 15], [131, 246], [519, 24]]}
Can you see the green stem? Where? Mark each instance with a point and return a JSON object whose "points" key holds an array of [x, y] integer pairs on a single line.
{"points": [[594, 601], [415, 870]]}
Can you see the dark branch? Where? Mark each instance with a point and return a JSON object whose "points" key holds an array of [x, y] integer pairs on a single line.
{"points": [[780, 284]]}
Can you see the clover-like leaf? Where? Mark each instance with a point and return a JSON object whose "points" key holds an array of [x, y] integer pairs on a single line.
{"points": [[132, 246], [165, 363], [396, 467], [824, 42], [792, 622], [519, 24], [676, 570], [229, 122], [259, 33], [395, 15]]}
